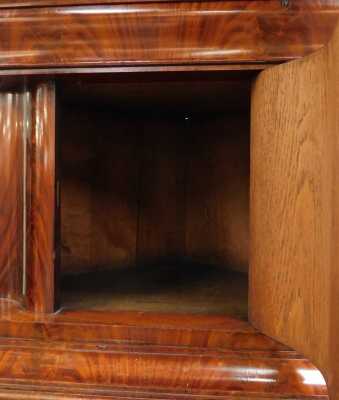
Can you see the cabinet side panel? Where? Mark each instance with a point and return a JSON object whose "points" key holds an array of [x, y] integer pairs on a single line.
{"points": [[333, 107], [40, 275], [294, 203], [13, 123]]}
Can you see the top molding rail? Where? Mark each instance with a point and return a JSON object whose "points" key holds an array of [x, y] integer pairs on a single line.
{"points": [[162, 33]]}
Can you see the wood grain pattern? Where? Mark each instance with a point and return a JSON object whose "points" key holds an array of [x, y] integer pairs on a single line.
{"points": [[165, 287], [294, 5], [162, 200], [132, 34], [41, 272], [14, 121], [98, 189], [156, 357], [143, 370], [217, 204], [130, 196], [294, 207]]}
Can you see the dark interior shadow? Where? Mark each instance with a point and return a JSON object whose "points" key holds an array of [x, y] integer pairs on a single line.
{"points": [[163, 274]]}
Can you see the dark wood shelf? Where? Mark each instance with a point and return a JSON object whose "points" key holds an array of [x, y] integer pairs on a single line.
{"points": [[178, 288]]}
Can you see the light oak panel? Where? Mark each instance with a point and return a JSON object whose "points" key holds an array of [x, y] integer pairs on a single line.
{"points": [[294, 270]]}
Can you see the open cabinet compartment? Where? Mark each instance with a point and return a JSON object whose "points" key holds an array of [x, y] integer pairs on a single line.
{"points": [[154, 193], [145, 204]]}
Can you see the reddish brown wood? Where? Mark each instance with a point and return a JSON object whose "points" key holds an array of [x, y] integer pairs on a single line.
{"points": [[41, 271], [139, 34], [47, 3], [155, 356], [73, 354], [14, 126], [302, 5]]}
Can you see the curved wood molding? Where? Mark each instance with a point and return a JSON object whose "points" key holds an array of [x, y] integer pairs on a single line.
{"points": [[162, 33], [294, 293], [145, 355], [40, 274], [14, 121]]}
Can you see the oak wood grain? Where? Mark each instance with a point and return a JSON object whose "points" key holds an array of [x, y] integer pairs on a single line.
{"points": [[146, 33], [294, 207]]}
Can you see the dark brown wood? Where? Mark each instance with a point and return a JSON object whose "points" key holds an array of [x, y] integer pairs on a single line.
{"points": [[146, 34], [162, 213], [98, 189], [294, 207], [41, 271], [159, 287], [14, 126], [133, 197], [217, 203]]}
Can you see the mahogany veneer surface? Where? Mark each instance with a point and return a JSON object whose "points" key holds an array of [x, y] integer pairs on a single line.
{"points": [[78, 354], [162, 33], [145, 355], [13, 116], [40, 277]]}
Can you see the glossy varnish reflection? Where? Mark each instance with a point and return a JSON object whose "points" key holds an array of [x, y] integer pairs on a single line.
{"points": [[48, 353], [163, 33], [155, 357], [14, 124], [40, 273]]}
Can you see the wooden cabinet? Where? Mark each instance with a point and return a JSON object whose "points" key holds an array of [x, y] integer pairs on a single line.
{"points": [[168, 200], [294, 272]]}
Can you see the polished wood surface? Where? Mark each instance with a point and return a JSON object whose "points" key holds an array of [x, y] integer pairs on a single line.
{"points": [[155, 357], [142, 370], [163, 33], [113, 217], [14, 121], [294, 207], [41, 272], [301, 5]]}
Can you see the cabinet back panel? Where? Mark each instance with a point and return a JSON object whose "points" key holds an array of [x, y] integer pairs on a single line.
{"points": [[150, 188]]}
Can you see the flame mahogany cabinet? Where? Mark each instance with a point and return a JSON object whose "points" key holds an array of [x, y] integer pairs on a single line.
{"points": [[169, 199]]}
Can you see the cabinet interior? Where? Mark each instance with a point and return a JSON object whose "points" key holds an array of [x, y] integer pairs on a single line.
{"points": [[154, 193]]}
